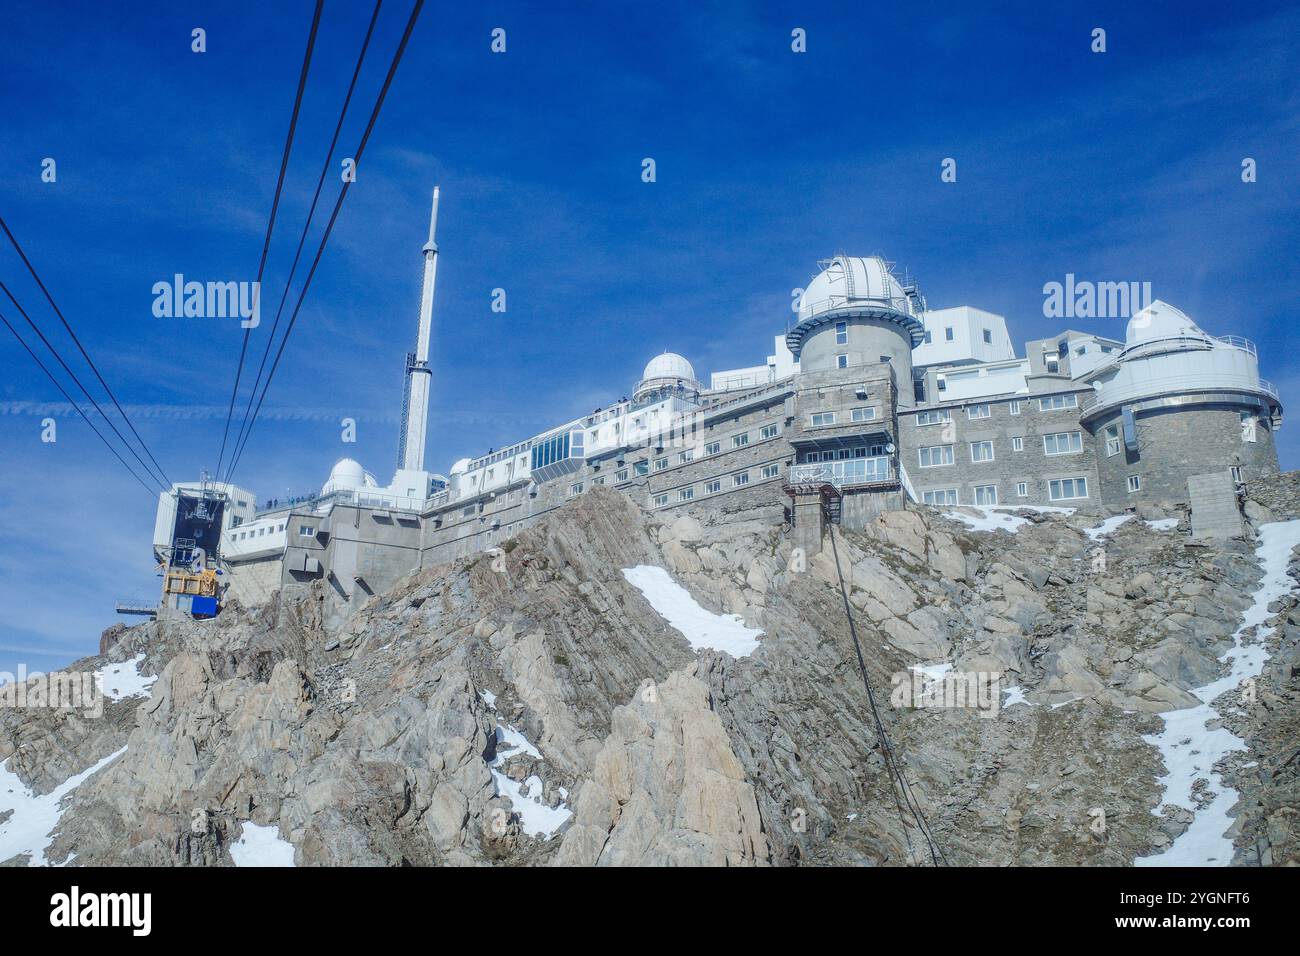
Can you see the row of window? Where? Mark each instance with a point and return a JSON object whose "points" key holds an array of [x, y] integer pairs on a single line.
{"points": [[714, 486], [948, 335], [822, 419], [1057, 443], [1058, 489], [642, 468], [1051, 403], [258, 532]]}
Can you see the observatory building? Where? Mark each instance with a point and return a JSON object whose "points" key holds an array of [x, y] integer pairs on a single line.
{"points": [[871, 400]]}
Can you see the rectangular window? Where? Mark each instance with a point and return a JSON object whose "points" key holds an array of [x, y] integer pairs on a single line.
{"points": [[978, 411], [661, 500], [769, 431], [947, 334], [740, 441], [306, 531], [986, 494], [1064, 489], [981, 451], [641, 468], [1236, 473], [771, 471], [1057, 402], [933, 456], [621, 475], [661, 464], [740, 479], [1248, 427], [864, 414], [822, 418], [988, 337], [1053, 366], [1063, 443], [712, 487], [842, 360], [1022, 489], [944, 496], [1014, 407], [1134, 483], [598, 481], [686, 494], [1112, 440], [575, 489], [928, 337], [934, 417], [713, 447], [1017, 443], [685, 456], [841, 333]]}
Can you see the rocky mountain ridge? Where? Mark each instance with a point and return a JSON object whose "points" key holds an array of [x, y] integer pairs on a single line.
{"points": [[531, 706]]}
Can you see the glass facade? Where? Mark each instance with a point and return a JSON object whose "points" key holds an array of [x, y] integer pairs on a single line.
{"points": [[550, 450]]}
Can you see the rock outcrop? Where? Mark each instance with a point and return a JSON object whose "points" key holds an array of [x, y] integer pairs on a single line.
{"points": [[530, 707]]}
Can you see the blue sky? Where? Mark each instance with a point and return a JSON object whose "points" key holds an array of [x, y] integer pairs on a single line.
{"points": [[1116, 166]]}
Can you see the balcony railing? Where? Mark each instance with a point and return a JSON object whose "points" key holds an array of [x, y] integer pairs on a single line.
{"points": [[1176, 384], [847, 473], [1237, 342], [898, 303]]}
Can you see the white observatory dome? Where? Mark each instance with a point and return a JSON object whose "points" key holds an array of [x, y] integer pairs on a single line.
{"points": [[1160, 320], [665, 374], [669, 365], [847, 280], [346, 475]]}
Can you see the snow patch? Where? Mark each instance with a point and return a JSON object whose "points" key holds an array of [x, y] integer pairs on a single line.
{"points": [[1106, 527], [1015, 695], [703, 629], [29, 828], [261, 846], [120, 681], [1191, 748], [999, 518], [536, 818], [1163, 524]]}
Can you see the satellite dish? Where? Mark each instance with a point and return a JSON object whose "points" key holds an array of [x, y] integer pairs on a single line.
{"points": [[890, 448]]}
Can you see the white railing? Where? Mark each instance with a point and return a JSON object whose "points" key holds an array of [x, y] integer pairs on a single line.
{"points": [[845, 473], [1177, 384], [1237, 342], [898, 303]]}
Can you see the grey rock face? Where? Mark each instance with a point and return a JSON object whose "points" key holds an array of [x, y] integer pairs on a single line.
{"points": [[385, 740]]}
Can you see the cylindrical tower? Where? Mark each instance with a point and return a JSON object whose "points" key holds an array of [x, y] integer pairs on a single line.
{"points": [[855, 313], [1177, 402]]}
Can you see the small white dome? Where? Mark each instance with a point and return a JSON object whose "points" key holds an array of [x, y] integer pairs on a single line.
{"points": [[460, 467], [1160, 320], [346, 475], [669, 365]]}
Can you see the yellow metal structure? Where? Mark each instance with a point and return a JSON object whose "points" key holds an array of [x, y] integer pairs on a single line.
{"points": [[203, 584]]}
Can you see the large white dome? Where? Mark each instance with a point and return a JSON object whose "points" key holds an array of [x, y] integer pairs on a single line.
{"points": [[850, 280], [669, 365], [1160, 320], [346, 475]]}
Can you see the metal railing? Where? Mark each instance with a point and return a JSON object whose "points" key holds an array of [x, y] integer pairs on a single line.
{"points": [[1174, 385], [1238, 342], [845, 473], [898, 303]]}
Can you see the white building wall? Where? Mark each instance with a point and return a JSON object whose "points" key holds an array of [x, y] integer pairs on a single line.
{"points": [[967, 326]]}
